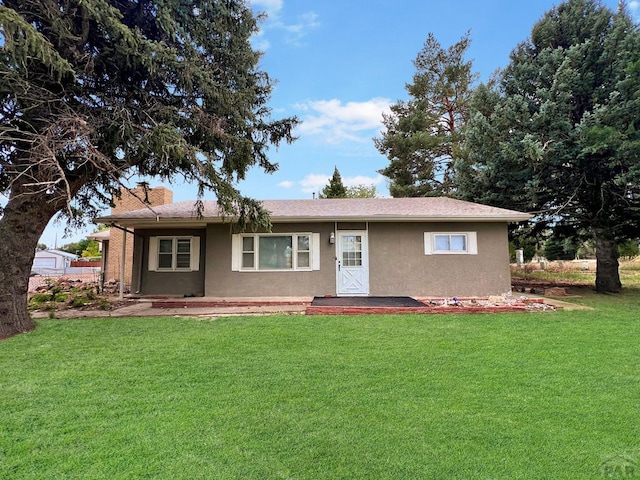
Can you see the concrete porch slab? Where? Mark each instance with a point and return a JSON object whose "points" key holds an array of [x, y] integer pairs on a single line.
{"points": [[237, 306]]}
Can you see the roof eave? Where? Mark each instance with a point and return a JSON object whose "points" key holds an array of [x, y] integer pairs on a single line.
{"points": [[153, 222], [390, 218], [203, 222]]}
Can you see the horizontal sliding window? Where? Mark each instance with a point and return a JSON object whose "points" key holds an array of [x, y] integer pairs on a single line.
{"points": [[462, 243], [450, 242]]}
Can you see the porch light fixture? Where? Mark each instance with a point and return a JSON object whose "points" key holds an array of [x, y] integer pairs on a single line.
{"points": [[332, 238]]}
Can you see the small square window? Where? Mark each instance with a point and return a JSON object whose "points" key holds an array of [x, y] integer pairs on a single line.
{"points": [[303, 243], [441, 243], [165, 245], [247, 244], [458, 243], [247, 260], [174, 253], [165, 260], [303, 260]]}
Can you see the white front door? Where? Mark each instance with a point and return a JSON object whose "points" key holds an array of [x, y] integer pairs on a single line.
{"points": [[352, 263]]}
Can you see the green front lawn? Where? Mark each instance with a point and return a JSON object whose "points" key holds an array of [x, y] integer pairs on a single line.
{"points": [[506, 396]]}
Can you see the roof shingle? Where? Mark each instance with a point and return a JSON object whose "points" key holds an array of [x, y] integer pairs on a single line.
{"points": [[340, 209]]}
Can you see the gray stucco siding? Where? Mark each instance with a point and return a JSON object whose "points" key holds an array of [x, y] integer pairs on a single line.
{"points": [[222, 281], [174, 283], [398, 264]]}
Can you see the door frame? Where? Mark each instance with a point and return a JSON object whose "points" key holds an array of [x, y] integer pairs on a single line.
{"points": [[365, 261]]}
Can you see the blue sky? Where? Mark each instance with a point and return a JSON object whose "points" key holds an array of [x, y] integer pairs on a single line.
{"points": [[338, 66]]}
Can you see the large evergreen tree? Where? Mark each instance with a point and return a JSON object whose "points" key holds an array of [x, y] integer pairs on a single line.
{"points": [[422, 136], [560, 136], [95, 91], [335, 188]]}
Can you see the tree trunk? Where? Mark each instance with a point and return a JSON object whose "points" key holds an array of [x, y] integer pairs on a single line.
{"points": [[23, 220], [607, 273]]}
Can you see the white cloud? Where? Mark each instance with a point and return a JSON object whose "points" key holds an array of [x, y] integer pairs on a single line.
{"points": [[336, 122], [261, 44], [314, 182], [286, 184], [362, 180], [270, 6], [634, 5], [295, 31]]}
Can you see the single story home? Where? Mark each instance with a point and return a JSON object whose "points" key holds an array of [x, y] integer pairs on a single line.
{"points": [[428, 246], [52, 262]]}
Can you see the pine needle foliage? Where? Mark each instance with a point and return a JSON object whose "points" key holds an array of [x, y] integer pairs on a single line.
{"points": [[559, 135], [96, 92]]}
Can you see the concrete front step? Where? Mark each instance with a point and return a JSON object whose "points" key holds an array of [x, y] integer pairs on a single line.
{"points": [[304, 305], [173, 303]]}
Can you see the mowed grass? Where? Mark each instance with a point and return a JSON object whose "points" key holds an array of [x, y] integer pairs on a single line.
{"points": [[506, 396]]}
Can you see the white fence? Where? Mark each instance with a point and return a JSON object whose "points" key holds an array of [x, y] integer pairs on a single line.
{"points": [[67, 271]]}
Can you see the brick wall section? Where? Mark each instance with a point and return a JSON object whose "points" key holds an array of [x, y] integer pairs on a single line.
{"points": [[132, 199]]}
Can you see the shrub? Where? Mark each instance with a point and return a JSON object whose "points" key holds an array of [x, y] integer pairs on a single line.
{"points": [[77, 302], [67, 294], [40, 298], [60, 297], [104, 304]]}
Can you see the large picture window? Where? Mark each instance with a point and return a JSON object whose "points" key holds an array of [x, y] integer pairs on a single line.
{"points": [[174, 254], [461, 243], [276, 252]]}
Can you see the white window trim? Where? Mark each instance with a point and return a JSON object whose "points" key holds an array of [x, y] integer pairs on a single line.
{"points": [[314, 252], [194, 253], [430, 245]]}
